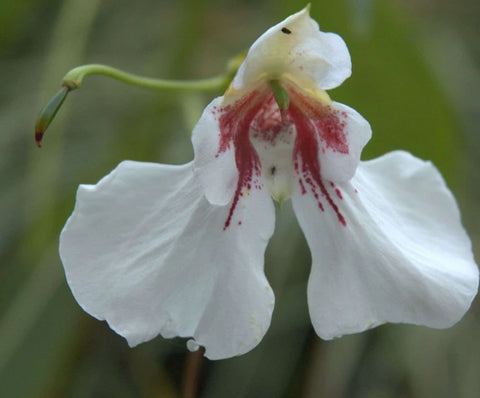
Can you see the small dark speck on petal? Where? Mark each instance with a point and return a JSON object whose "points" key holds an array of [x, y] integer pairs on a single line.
{"points": [[286, 31]]}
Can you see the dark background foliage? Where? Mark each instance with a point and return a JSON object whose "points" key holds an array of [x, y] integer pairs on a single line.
{"points": [[416, 78]]}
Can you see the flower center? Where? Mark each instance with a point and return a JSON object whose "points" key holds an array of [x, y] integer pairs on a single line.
{"points": [[274, 147]]}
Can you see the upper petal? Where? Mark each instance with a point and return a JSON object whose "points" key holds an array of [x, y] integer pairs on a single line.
{"points": [[296, 49], [335, 164], [401, 255], [145, 251], [214, 162]]}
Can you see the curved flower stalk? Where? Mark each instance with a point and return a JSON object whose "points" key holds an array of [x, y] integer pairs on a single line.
{"points": [[178, 250]]}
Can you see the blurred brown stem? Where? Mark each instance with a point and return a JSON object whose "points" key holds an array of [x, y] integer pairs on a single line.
{"points": [[193, 365]]}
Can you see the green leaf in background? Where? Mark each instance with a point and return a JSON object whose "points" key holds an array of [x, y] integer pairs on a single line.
{"points": [[392, 85]]}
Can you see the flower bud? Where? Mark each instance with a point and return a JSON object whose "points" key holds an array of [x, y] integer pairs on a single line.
{"points": [[48, 113]]}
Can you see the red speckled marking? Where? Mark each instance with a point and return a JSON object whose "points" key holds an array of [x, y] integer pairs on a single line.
{"points": [[268, 122], [302, 187], [337, 191], [330, 123]]}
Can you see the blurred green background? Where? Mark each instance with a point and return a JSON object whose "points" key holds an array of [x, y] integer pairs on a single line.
{"points": [[416, 78]]}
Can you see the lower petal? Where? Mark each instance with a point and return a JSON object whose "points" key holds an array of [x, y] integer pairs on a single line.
{"points": [[145, 251], [402, 255]]}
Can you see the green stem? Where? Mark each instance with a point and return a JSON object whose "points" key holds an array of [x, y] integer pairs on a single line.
{"points": [[281, 95], [74, 79]]}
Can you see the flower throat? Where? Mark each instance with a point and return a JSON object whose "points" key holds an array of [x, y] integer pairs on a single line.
{"points": [[274, 147]]}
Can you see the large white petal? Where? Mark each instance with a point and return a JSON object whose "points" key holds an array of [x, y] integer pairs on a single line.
{"points": [[145, 251], [338, 166], [215, 169], [305, 55], [403, 255]]}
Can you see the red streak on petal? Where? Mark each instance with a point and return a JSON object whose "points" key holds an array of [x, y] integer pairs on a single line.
{"points": [[339, 193], [230, 117], [234, 122], [302, 187], [306, 150]]}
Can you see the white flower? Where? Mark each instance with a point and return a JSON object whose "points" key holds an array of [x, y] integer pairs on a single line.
{"points": [[178, 250]]}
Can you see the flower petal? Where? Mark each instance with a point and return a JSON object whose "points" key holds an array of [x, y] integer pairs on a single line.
{"points": [[337, 165], [402, 255], [145, 251], [215, 169], [296, 49]]}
